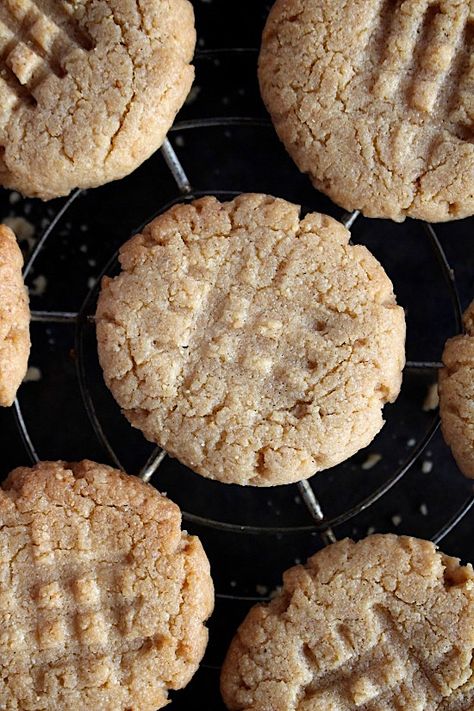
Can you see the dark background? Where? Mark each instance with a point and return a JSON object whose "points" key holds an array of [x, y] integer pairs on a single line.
{"points": [[225, 143]]}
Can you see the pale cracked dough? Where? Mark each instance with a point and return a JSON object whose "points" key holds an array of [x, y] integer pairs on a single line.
{"points": [[88, 88], [456, 395], [102, 596], [386, 624], [374, 100], [254, 346], [14, 318]]}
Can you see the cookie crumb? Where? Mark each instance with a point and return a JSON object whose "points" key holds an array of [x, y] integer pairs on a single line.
{"points": [[39, 286], [33, 374], [431, 400], [396, 519], [193, 95], [22, 227], [424, 509], [426, 466], [371, 461]]}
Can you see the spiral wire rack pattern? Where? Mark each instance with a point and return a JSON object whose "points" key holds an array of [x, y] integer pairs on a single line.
{"points": [[83, 322]]}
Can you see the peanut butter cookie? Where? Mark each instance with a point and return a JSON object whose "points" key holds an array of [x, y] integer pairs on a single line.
{"points": [[88, 88], [102, 596], [386, 624], [14, 318], [456, 395], [374, 100], [255, 346]]}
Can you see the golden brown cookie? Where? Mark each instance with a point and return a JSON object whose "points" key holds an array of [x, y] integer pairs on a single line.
{"points": [[255, 346], [373, 99], [456, 395], [88, 89], [102, 596], [14, 318], [386, 624]]}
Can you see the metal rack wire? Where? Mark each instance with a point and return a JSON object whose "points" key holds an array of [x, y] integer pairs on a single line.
{"points": [[83, 322]]}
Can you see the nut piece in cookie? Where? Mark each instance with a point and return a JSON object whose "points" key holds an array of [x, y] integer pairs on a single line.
{"points": [[256, 346], [373, 100], [88, 90], [385, 623], [103, 598], [14, 318], [456, 395]]}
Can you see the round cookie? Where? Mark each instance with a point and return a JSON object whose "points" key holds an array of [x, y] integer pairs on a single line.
{"points": [[103, 598], [386, 624], [255, 346], [14, 318], [373, 100], [88, 89], [456, 395]]}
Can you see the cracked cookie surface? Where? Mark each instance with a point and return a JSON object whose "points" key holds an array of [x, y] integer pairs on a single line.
{"points": [[88, 88], [373, 100], [385, 624], [14, 318], [255, 346], [103, 598], [456, 395]]}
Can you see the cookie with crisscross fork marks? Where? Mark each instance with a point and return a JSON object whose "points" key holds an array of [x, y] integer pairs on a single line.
{"points": [[456, 395], [14, 318], [103, 598], [385, 624], [374, 99], [88, 88], [254, 346]]}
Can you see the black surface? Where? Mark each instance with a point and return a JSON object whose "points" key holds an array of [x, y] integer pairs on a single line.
{"points": [[239, 156]]}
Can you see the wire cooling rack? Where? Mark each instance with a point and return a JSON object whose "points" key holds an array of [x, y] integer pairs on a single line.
{"points": [[251, 535]]}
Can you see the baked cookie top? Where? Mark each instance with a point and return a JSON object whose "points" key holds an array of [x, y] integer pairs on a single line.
{"points": [[255, 346], [456, 395], [373, 99], [88, 88], [102, 596], [386, 623], [14, 318]]}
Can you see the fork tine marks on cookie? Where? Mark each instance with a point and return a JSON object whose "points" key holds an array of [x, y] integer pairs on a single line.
{"points": [[62, 15], [461, 106], [9, 96], [421, 51], [438, 59], [35, 39], [400, 46], [56, 17]]}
